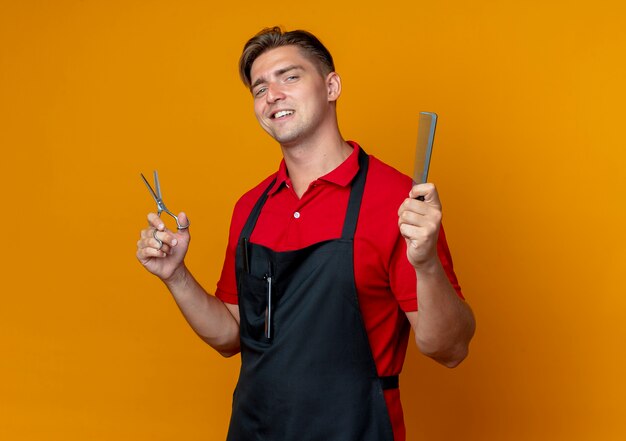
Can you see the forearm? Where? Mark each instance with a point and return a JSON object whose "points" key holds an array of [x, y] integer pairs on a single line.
{"points": [[207, 315], [445, 323]]}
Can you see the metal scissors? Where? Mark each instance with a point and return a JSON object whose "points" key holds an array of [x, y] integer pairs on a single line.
{"points": [[159, 201]]}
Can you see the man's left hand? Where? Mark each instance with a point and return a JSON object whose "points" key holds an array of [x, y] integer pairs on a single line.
{"points": [[419, 223]]}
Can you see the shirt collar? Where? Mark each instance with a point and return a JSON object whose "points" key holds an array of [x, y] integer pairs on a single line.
{"points": [[342, 175]]}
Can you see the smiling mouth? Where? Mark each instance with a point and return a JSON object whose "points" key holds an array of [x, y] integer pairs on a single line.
{"points": [[282, 114]]}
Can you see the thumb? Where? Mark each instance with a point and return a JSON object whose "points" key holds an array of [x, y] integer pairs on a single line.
{"points": [[183, 220], [425, 192]]}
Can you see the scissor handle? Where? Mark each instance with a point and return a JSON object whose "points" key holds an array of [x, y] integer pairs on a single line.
{"points": [[178, 225]]}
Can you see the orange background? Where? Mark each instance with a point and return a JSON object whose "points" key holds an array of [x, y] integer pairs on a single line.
{"points": [[529, 160]]}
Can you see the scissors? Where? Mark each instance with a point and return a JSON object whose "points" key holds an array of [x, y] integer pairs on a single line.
{"points": [[159, 201]]}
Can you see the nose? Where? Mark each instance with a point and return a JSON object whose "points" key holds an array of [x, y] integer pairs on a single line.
{"points": [[274, 93]]}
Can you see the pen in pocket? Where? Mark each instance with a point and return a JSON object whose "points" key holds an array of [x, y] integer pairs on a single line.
{"points": [[268, 308]]}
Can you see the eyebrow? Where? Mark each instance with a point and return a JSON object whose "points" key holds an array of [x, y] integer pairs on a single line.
{"points": [[279, 72]]}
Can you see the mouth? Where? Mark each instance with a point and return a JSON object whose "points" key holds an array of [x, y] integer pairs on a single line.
{"points": [[282, 114]]}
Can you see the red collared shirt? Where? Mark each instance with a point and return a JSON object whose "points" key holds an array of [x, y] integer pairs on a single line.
{"points": [[385, 280]]}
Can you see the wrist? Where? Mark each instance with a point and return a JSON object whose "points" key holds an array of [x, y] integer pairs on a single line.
{"points": [[428, 267], [178, 278]]}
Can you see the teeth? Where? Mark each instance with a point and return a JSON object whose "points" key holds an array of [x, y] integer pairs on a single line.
{"points": [[283, 113]]}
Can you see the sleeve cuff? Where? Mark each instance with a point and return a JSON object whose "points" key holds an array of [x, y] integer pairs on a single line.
{"points": [[227, 297], [408, 305]]}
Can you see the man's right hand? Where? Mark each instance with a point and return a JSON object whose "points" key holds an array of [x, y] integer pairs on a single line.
{"points": [[163, 261]]}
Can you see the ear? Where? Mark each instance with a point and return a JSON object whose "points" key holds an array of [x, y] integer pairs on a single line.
{"points": [[333, 86]]}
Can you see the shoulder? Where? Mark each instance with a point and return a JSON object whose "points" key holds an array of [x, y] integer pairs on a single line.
{"points": [[386, 185], [385, 190], [243, 207]]}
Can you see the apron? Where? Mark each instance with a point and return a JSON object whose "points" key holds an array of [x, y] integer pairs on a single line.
{"points": [[307, 370]]}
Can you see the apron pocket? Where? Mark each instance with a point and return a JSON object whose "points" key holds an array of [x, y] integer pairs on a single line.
{"points": [[253, 308]]}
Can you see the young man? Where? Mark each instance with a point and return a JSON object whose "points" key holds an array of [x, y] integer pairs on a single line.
{"points": [[325, 260]]}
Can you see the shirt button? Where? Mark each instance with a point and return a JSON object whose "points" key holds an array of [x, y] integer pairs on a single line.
{"points": [[296, 215]]}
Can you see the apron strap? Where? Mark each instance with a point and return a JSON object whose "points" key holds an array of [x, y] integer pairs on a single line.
{"points": [[244, 238], [254, 214], [391, 382], [356, 194]]}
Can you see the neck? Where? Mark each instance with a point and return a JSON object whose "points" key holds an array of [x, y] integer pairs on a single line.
{"points": [[307, 162]]}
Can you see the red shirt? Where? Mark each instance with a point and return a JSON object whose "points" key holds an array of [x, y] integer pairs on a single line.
{"points": [[385, 280]]}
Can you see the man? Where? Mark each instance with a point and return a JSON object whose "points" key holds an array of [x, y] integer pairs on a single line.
{"points": [[325, 260]]}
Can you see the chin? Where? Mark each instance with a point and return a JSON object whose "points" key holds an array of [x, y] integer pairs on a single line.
{"points": [[286, 138]]}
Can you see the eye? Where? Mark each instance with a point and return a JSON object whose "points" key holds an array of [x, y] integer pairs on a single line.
{"points": [[291, 78], [260, 91]]}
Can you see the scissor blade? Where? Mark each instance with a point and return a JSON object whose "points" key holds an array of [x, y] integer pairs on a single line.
{"points": [[157, 186], [156, 199]]}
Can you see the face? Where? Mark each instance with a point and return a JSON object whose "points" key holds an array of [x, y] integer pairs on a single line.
{"points": [[293, 101]]}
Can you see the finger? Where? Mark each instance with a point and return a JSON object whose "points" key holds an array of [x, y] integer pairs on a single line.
{"points": [[411, 218], [165, 249], [420, 208], [414, 206], [152, 243], [147, 232], [420, 228], [164, 237], [148, 239], [155, 221], [419, 234], [149, 252], [419, 213], [414, 234], [428, 191]]}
